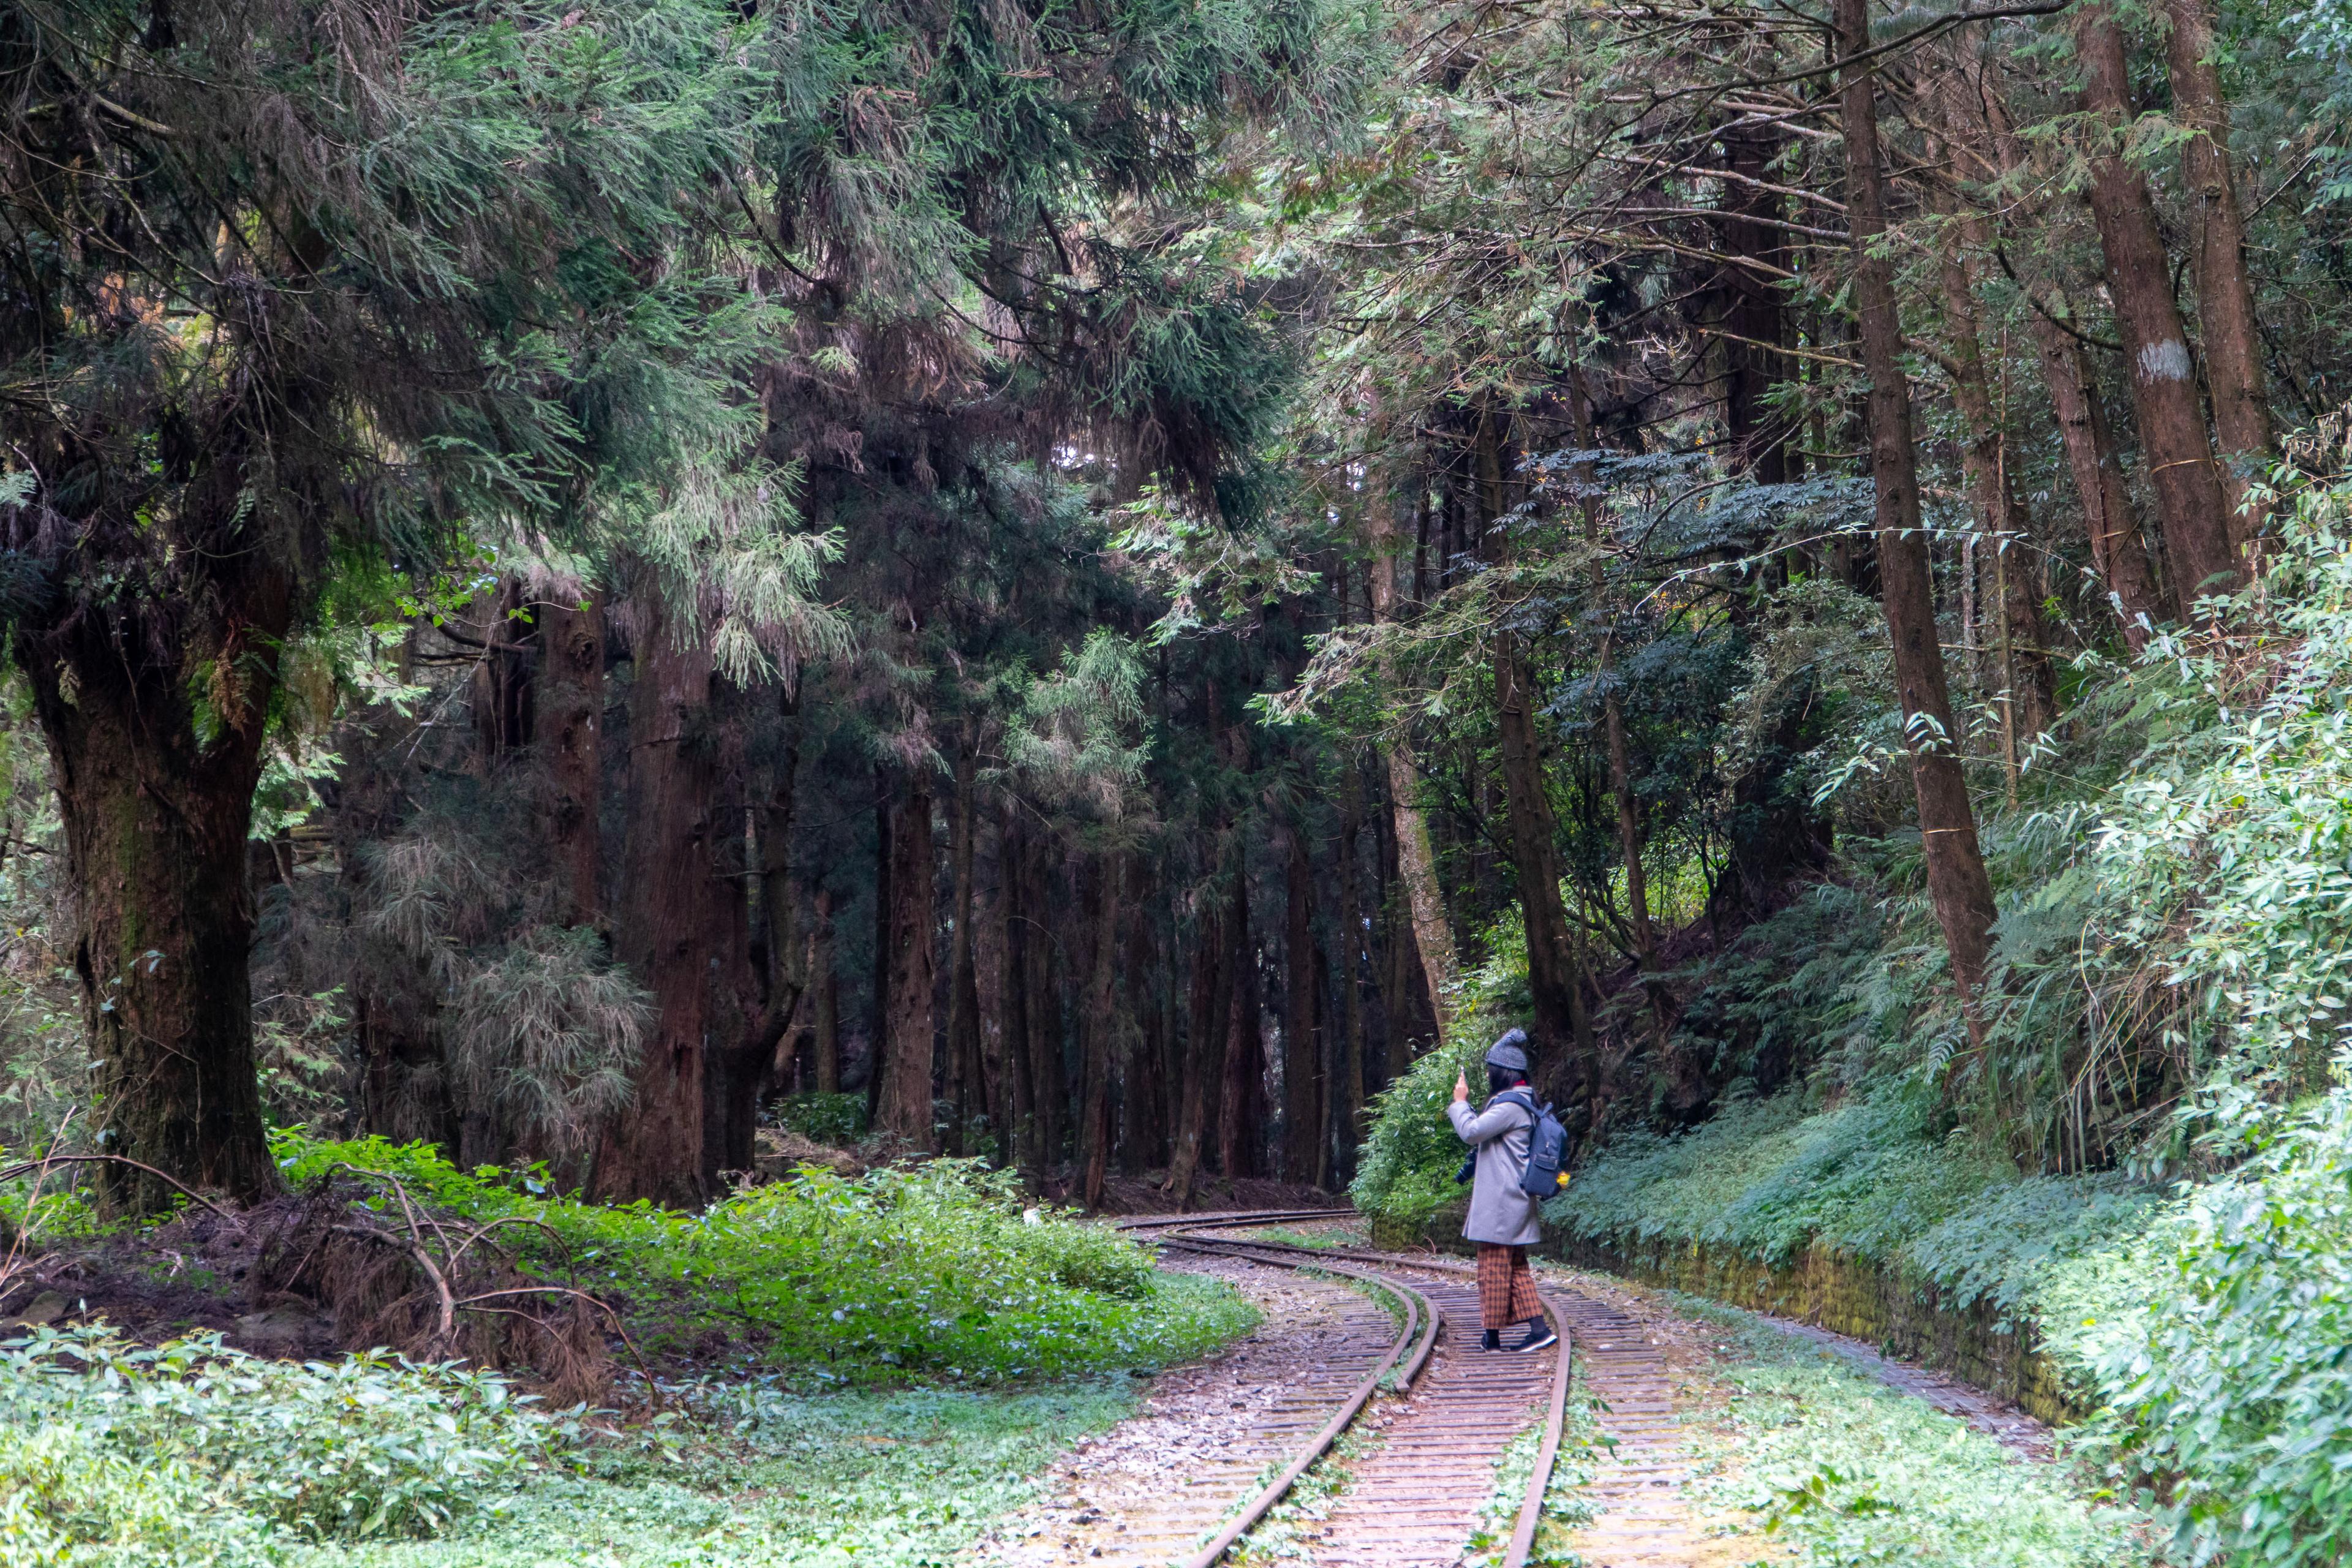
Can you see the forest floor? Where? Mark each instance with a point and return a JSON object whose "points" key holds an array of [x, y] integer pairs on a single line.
{"points": [[1722, 1440], [1735, 1440]]}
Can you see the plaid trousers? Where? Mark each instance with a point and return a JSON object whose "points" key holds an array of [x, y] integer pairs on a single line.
{"points": [[1507, 1287]]}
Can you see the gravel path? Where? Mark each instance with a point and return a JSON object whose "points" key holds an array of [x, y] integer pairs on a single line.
{"points": [[1155, 1485]]}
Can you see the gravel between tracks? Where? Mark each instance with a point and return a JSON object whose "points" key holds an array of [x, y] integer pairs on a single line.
{"points": [[1151, 1487]]}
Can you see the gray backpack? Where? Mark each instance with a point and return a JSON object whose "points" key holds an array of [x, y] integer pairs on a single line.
{"points": [[1546, 1147]]}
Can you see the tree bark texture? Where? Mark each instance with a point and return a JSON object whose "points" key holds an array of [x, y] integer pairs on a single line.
{"points": [[1049, 1081], [1982, 132], [825, 1048], [1013, 950], [2118, 552], [1957, 882], [1099, 1031], [966, 1091], [1351, 959], [754, 990], [1204, 1043], [500, 687], [2025, 677], [877, 1017], [570, 729], [2180, 466], [155, 820], [2225, 294], [1241, 1113], [911, 1027], [988, 978], [1302, 1066], [1416, 862], [653, 1147]]}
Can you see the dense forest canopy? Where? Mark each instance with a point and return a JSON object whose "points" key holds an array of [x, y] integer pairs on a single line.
{"points": [[1089, 586]]}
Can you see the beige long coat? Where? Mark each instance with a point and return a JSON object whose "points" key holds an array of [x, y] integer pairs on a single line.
{"points": [[1500, 1211]]}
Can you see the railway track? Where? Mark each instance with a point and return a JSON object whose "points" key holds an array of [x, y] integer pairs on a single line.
{"points": [[1418, 1494]]}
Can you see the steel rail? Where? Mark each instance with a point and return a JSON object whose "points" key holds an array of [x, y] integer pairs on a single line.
{"points": [[1421, 1324], [1287, 1254]]}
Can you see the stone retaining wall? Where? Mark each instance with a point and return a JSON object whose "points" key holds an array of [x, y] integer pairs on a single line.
{"points": [[1846, 1295]]}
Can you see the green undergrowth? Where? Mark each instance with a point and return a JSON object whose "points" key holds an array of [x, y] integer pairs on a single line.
{"points": [[853, 1435], [1769, 1179], [194, 1453], [1566, 1509], [1282, 1536], [1852, 1472], [763, 1478], [934, 1270]]}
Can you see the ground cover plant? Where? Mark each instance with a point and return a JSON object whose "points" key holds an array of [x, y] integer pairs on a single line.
{"points": [[942, 1269], [843, 1429], [194, 1452], [1852, 1472], [762, 1476], [2171, 909]]}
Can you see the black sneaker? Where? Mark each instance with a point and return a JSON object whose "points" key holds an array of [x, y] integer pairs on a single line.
{"points": [[1540, 1335], [1493, 1342]]}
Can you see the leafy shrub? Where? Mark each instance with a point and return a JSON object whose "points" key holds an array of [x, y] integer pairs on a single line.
{"points": [[2232, 1388], [67, 1497], [1857, 1473], [833, 1118], [934, 1269], [1769, 1179], [1404, 1169], [164, 1450]]}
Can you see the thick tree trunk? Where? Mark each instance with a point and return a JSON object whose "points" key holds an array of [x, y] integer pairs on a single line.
{"points": [[825, 1048], [988, 962], [2182, 470], [1353, 960], [1328, 1068], [1241, 1114], [1204, 1041], [1416, 862], [1957, 882], [2225, 294], [500, 687], [1012, 947], [1045, 1007], [2024, 676], [1302, 1076], [754, 989], [2118, 552], [964, 1086], [1982, 131], [654, 1148], [1612, 711], [1562, 1028], [570, 729], [1755, 312], [1098, 1029], [877, 1014], [1144, 1081], [155, 821], [911, 1026]]}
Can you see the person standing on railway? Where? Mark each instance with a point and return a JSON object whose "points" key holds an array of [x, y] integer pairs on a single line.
{"points": [[1504, 1219]]}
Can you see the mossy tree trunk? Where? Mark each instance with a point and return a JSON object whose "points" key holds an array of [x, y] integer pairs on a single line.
{"points": [[1302, 1066], [653, 1147], [155, 792], [910, 1045]]}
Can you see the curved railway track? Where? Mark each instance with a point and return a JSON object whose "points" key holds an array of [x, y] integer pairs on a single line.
{"points": [[1417, 1496]]}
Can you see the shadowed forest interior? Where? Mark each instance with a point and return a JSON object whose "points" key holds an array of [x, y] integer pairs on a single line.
{"points": [[793, 610]]}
